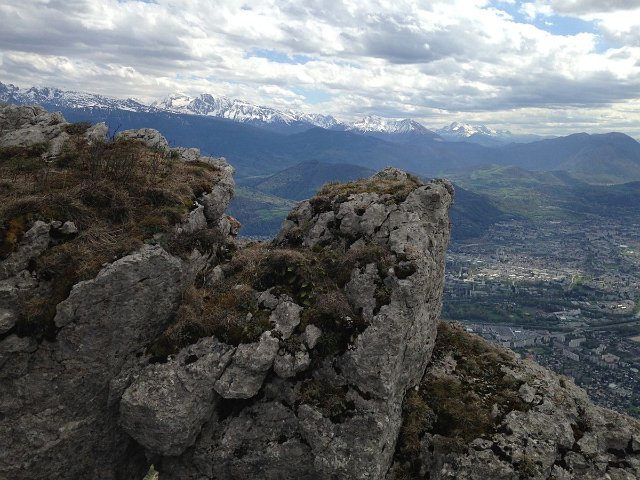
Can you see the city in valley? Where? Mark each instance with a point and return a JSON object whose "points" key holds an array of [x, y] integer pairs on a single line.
{"points": [[566, 294]]}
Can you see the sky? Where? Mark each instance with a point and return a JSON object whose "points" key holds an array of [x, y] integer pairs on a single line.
{"points": [[541, 66]]}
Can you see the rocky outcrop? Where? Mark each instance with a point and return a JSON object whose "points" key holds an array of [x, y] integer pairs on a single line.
{"points": [[517, 420], [151, 137], [317, 356], [60, 393], [337, 416], [32, 126], [165, 407], [35, 241], [54, 394], [98, 133]]}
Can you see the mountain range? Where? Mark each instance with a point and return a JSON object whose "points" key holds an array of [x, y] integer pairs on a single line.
{"points": [[283, 121], [260, 141], [284, 156]]}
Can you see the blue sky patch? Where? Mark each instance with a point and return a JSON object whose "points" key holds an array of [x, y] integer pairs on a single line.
{"points": [[278, 57], [313, 95]]}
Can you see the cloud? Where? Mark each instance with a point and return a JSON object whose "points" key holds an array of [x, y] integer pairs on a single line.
{"points": [[428, 60], [582, 7], [617, 20]]}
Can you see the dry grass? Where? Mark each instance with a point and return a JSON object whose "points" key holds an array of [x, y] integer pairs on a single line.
{"points": [[229, 309], [118, 194], [395, 190], [458, 407], [330, 399]]}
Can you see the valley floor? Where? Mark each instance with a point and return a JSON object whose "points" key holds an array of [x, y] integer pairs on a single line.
{"points": [[564, 293]]}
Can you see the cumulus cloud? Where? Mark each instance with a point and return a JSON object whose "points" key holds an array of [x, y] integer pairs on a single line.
{"points": [[429, 60], [581, 7]]}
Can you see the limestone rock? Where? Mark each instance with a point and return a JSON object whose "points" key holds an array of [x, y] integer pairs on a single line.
{"points": [[56, 422], [555, 432], [229, 226], [15, 288], [22, 126], [311, 336], [286, 316], [68, 228], [151, 137], [216, 201], [250, 364], [369, 380], [12, 345], [186, 154], [7, 320], [261, 442], [194, 222], [35, 241], [287, 365], [268, 300], [98, 133], [166, 406]]}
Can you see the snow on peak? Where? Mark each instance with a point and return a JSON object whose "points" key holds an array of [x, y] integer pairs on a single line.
{"points": [[465, 130], [54, 97], [374, 123], [174, 101], [324, 121]]}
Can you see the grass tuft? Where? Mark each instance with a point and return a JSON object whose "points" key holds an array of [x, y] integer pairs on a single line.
{"points": [[118, 194]]}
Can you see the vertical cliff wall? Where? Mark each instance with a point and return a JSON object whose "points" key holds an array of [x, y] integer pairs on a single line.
{"points": [[292, 404]]}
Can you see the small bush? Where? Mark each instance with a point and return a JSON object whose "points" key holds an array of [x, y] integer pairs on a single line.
{"points": [[458, 407], [78, 128], [325, 396], [298, 273], [23, 159]]}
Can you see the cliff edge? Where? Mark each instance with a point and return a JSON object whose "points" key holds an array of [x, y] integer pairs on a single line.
{"points": [[135, 331]]}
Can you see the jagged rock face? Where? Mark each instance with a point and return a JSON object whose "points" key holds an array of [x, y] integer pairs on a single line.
{"points": [[60, 394], [56, 421], [392, 352], [29, 126], [282, 429], [535, 423]]}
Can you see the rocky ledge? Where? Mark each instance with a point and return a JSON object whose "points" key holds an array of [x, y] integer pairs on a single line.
{"points": [[318, 355]]}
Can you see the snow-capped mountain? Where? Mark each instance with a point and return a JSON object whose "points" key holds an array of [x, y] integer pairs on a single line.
{"points": [[373, 123], [464, 130], [240, 111], [324, 121], [284, 121], [482, 134], [394, 130], [66, 99]]}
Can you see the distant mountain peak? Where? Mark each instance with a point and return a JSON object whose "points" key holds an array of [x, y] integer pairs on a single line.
{"points": [[242, 111], [57, 98], [467, 130], [374, 123]]}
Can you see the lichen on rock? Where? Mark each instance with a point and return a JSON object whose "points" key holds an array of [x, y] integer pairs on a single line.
{"points": [[480, 413]]}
